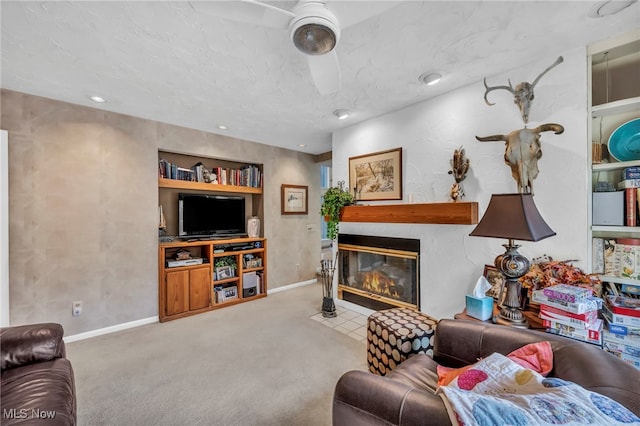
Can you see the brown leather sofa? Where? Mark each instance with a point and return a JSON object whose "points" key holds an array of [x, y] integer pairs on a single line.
{"points": [[38, 385], [405, 396]]}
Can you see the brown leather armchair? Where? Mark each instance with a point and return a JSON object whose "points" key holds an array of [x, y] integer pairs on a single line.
{"points": [[38, 385], [405, 396]]}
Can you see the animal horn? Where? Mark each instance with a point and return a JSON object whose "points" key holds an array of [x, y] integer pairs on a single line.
{"points": [[556, 128], [489, 89], [493, 138], [558, 61]]}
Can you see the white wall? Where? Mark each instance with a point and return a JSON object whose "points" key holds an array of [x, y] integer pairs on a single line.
{"points": [[430, 131]]}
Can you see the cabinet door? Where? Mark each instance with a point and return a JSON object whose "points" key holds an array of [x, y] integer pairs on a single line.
{"points": [[199, 284], [177, 292]]}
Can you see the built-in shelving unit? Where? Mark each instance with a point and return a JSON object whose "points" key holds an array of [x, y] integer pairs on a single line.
{"points": [[614, 99], [190, 289]]}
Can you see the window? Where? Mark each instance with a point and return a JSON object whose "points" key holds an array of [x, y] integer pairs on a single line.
{"points": [[325, 183]]}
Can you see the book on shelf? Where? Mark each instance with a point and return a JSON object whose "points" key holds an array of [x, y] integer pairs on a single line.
{"points": [[629, 261], [611, 258], [630, 203], [597, 250], [632, 172], [570, 293], [591, 304]]}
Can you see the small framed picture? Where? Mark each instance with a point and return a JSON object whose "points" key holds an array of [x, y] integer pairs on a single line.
{"points": [[496, 279], [224, 272], [294, 199]]}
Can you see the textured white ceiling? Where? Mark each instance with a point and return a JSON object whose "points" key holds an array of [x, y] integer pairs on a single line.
{"points": [[172, 62]]}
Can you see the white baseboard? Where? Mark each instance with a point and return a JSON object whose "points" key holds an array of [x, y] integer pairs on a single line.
{"points": [[111, 329], [152, 320], [291, 286]]}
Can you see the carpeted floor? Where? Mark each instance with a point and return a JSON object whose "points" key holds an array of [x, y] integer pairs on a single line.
{"points": [[261, 363]]}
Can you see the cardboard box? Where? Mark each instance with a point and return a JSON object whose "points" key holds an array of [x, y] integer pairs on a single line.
{"points": [[480, 307]]}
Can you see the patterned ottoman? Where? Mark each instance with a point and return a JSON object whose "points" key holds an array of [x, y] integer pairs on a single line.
{"points": [[394, 335]]}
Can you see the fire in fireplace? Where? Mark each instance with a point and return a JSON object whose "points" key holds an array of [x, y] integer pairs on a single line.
{"points": [[379, 272]]}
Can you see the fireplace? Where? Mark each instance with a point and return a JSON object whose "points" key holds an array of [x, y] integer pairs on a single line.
{"points": [[379, 272]]}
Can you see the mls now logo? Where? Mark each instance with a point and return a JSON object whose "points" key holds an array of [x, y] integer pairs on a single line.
{"points": [[23, 413]]}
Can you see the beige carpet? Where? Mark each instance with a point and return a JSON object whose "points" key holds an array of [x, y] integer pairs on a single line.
{"points": [[260, 363]]}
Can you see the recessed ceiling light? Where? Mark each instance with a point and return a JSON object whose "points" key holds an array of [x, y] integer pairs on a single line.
{"points": [[341, 113], [430, 78], [222, 127], [608, 8], [301, 145], [98, 99]]}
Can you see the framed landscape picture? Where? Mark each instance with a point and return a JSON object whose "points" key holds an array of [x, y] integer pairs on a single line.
{"points": [[294, 199], [376, 176]]}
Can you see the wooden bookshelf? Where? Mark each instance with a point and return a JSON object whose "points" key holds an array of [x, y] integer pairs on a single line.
{"points": [[202, 186]]}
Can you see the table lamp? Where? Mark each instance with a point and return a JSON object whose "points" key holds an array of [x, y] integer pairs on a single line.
{"points": [[513, 217]]}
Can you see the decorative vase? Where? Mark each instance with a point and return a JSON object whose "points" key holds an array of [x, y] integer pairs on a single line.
{"points": [[253, 227]]}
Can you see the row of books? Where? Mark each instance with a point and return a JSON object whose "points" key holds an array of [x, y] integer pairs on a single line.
{"points": [[249, 175], [621, 336]]}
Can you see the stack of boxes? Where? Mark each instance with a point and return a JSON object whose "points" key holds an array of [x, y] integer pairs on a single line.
{"points": [[622, 334], [570, 311]]}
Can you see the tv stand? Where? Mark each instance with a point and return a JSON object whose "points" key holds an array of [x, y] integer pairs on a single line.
{"points": [[193, 289]]}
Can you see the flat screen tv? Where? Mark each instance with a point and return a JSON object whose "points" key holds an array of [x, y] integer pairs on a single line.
{"points": [[210, 215]]}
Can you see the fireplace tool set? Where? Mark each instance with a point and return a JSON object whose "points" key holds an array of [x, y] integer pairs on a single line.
{"points": [[327, 269]]}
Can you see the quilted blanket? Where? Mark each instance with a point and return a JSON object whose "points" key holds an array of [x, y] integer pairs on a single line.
{"points": [[498, 391]]}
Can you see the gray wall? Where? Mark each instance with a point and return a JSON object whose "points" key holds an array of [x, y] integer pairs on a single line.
{"points": [[83, 200]]}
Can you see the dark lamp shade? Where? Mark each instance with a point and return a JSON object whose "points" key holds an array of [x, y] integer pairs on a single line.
{"points": [[513, 217]]}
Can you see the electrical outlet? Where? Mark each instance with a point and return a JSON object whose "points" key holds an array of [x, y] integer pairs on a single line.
{"points": [[77, 308]]}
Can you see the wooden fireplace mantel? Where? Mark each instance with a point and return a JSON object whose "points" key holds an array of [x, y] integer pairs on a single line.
{"points": [[450, 213]]}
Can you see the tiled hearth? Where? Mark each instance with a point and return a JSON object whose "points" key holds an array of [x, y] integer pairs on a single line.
{"points": [[348, 322]]}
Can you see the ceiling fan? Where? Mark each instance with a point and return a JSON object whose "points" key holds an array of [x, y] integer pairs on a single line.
{"points": [[314, 28]]}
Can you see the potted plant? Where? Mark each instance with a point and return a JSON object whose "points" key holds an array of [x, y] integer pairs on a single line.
{"points": [[335, 198]]}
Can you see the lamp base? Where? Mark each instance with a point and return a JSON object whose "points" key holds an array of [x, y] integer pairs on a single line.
{"points": [[512, 265]]}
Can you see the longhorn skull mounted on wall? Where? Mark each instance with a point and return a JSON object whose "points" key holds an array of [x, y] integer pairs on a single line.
{"points": [[523, 151], [523, 93]]}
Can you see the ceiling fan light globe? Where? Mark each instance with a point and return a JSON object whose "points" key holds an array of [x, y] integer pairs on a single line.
{"points": [[314, 39]]}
